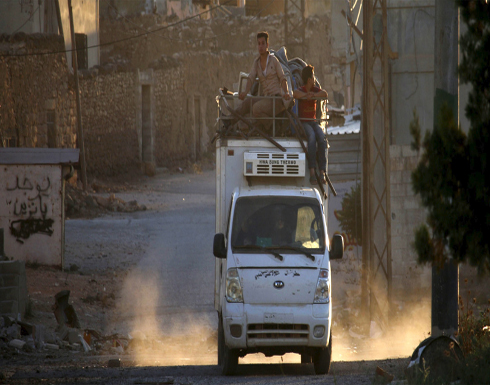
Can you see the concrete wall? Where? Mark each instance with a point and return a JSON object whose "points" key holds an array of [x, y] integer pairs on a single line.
{"points": [[21, 16], [31, 212], [411, 35], [86, 21], [13, 289], [407, 215]]}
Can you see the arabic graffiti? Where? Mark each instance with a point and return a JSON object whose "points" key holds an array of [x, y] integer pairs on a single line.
{"points": [[33, 206], [24, 228], [267, 273]]}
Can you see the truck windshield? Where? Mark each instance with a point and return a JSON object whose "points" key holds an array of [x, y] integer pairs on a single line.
{"points": [[275, 222]]}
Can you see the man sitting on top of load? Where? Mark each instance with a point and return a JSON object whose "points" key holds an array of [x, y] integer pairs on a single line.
{"points": [[271, 76], [307, 115]]}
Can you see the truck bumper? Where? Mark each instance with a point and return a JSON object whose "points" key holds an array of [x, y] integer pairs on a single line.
{"points": [[256, 326]]}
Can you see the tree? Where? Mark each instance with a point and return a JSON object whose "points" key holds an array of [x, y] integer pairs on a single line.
{"points": [[350, 217], [453, 176]]}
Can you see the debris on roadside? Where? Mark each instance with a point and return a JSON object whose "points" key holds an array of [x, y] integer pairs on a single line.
{"points": [[164, 380], [79, 203], [114, 363], [64, 312], [384, 375]]}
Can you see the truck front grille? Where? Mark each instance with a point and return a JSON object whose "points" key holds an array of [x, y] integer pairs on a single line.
{"points": [[277, 331]]}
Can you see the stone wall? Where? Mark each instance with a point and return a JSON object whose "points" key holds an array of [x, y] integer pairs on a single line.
{"points": [[183, 66], [109, 113], [407, 215], [234, 35], [30, 85]]}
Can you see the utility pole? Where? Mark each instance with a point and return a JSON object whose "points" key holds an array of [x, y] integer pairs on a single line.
{"points": [[79, 106], [376, 280], [295, 27], [445, 286]]}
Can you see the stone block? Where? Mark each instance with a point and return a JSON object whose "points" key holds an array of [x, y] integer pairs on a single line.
{"points": [[9, 280], [9, 307], [9, 293], [17, 344], [12, 267], [396, 177], [399, 242], [411, 203], [398, 189], [396, 204], [397, 164], [408, 152], [38, 335], [407, 177], [73, 336], [395, 151]]}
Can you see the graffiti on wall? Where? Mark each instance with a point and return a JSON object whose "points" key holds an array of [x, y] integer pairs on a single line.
{"points": [[30, 207]]}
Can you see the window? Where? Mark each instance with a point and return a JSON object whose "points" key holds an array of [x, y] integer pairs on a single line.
{"points": [[291, 222], [9, 142], [82, 51]]}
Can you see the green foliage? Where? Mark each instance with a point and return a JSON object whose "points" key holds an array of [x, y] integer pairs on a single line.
{"points": [[423, 245], [453, 176], [440, 179], [415, 131], [350, 217], [474, 339]]}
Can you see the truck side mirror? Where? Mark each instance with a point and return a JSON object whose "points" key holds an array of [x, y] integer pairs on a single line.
{"points": [[337, 249], [219, 249]]}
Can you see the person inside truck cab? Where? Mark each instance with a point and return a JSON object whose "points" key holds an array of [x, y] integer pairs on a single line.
{"points": [[271, 76], [307, 114], [281, 234], [246, 236]]}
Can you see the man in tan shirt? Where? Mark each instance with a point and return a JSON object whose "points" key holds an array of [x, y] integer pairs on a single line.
{"points": [[272, 80]]}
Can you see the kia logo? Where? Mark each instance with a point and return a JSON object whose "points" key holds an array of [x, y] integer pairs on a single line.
{"points": [[279, 284]]}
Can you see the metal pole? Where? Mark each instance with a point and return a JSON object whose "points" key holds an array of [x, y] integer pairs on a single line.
{"points": [[79, 107], [445, 285], [367, 57]]}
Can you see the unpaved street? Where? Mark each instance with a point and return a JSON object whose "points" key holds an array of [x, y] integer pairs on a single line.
{"points": [[159, 269]]}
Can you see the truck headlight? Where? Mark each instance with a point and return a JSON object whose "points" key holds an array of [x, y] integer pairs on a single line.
{"points": [[322, 292], [233, 288]]}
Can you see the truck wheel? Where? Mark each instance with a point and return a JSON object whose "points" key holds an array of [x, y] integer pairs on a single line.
{"points": [[323, 358], [305, 359], [227, 358]]}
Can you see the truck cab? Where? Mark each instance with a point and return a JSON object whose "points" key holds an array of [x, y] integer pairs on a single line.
{"points": [[272, 265]]}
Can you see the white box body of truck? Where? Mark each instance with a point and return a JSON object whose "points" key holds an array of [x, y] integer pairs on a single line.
{"points": [[273, 276]]}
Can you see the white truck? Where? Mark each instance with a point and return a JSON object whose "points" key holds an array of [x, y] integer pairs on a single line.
{"points": [[273, 276]]}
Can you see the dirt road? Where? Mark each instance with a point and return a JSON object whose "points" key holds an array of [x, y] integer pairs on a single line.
{"points": [[145, 281]]}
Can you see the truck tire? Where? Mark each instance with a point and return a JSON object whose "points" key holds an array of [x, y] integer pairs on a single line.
{"points": [[227, 358], [305, 358], [323, 358]]}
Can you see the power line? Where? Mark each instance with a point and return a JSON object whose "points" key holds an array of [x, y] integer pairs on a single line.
{"points": [[120, 40]]}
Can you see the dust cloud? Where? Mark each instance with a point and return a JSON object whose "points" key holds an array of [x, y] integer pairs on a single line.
{"points": [[162, 336], [356, 339], [159, 336]]}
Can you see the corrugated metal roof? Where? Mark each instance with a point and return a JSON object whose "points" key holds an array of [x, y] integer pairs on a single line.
{"points": [[352, 122], [354, 127]]}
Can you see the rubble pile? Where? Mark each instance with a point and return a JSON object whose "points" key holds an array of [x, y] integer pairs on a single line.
{"points": [[20, 336], [80, 203]]}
